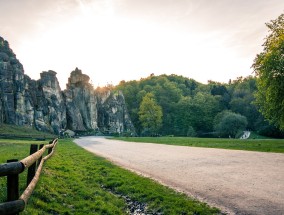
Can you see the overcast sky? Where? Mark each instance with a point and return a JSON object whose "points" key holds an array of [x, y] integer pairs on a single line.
{"points": [[113, 40]]}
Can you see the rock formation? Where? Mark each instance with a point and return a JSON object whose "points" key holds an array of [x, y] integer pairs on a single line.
{"points": [[81, 102], [112, 113], [42, 104], [50, 113]]}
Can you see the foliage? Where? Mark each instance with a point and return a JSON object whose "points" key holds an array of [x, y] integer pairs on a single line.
{"points": [[75, 181], [269, 68], [229, 124], [191, 132], [261, 145], [150, 114], [188, 104], [242, 100], [197, 112]]}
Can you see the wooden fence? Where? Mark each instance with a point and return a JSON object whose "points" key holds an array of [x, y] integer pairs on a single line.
{"points": [[13, 168]]}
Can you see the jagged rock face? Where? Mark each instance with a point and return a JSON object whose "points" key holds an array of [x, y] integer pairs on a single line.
{"points": [[24, 107], [81, 102], [13, 87], [51, 111], [102, 110], [42, 104], [28, 102], [113, 116]]}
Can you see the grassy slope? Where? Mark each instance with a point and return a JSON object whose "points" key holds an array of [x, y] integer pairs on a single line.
{"points": [[75, 181], [254, 135], [265, 145], [22, 131]]}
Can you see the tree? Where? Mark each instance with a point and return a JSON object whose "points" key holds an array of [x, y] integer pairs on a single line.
{"points": [[188, 104], [205, 108], [150, 115], [269, 69], [191, 132], [183, 117], [229, 124], [242, 100], [197, 112]]}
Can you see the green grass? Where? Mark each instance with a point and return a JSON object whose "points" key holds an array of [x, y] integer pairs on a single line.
{"points": [[14, 149], [261, 145], [254, 135], [75, 181], [22, 131]]}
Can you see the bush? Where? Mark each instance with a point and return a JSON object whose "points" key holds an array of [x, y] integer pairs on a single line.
{"points": [[229, 124], [191, 132]]}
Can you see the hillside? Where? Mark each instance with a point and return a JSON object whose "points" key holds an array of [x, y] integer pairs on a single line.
{"points": [[22, 132], [190, 108]]}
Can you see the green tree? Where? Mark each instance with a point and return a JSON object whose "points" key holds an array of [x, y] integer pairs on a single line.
{"points": [[191, 132], [242, 99], [205, 109], [197, 112], [183, 117], [150, 115], [229, 124], [269, 68]]}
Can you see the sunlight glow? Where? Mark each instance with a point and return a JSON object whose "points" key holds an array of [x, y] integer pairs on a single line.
{"points": [[110, 48]]}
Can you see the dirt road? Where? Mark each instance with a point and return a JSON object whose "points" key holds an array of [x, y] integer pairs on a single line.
{"points": [[238, 182]]}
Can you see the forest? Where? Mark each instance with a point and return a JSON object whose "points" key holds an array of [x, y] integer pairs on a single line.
{"points": [[178, 106]]}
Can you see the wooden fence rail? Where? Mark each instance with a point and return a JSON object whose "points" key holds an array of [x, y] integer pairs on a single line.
{"points": [[13, 168]]}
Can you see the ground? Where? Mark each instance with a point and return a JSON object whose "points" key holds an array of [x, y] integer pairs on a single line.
{"points": [[238, 182]]}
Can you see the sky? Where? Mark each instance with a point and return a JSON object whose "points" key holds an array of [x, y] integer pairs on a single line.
{"points": [[114, 40]]}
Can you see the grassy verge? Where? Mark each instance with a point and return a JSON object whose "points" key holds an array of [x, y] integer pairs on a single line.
{"points": [[22, 131], [75, 181], [254, 135], [13, 149], [261, 145]]}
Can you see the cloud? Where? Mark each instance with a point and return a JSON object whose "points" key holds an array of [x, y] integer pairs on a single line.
{"points": [[133, 38]]}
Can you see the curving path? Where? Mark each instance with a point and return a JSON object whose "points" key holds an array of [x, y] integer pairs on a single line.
{"points": [[238, 182]]}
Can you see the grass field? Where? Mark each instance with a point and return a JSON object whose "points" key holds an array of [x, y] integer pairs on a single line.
{"points": [[75, 181], [261, 145], [22, 131]]}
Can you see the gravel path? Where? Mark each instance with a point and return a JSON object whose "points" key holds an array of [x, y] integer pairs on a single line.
{"points": [[238, 182]]}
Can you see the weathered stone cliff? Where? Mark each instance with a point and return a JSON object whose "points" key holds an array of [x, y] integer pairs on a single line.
{"points": [[13, 87], [50, 113], [81, 102], [42, 104], [113, 116]]}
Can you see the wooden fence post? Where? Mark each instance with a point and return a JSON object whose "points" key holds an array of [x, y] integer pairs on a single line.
{"points": [[32, 168], [39, 160], [12, 169], [50, 149], [12, 186]]}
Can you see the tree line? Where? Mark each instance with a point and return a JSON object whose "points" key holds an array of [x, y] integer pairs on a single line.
{"points": [[179, 106]]}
